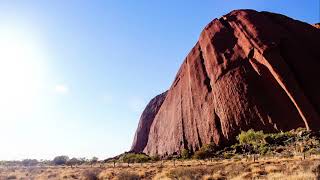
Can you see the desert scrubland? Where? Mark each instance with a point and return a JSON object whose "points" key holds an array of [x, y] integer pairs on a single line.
{"points": [[246, 168]]}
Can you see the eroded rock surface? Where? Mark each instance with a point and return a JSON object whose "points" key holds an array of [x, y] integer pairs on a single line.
{"points": [[146, 119], [249, 70]]}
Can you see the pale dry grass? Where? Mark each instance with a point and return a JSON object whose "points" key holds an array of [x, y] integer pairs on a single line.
{"points": [[272, 169], [264, 168], [217, 176], [295, 176]]}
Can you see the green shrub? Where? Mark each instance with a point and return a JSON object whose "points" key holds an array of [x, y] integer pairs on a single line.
{"points": [[255, 142], [205, 151], [263, 149], [314, 151], [283, 143], [94, 160], [185, 154], [228, 155], [200, 155], [279, 138], [73, 161], [155, 158], [300, 130], [251, 137], [134, 158], [60, 160]]}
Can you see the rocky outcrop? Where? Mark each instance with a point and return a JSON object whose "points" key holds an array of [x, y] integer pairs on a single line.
{"points": [[249, 70], [317, 25], [146, 120]]}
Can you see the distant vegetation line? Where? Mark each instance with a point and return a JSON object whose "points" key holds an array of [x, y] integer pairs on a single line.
{"points": [[58, 160], [299, 142]]}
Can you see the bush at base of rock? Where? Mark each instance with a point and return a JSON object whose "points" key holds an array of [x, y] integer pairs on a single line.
{"points": [[185, 154], [134, 158], [206, 151], [251, 137], [270, 144], [279, 138]]}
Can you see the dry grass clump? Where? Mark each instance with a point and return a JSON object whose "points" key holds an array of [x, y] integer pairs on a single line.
{"points": [[189, 173], [126, 175], [161, 176], [279, 169], [316, 170], [217, 176], [295, 176], [245, 175], [12, 177], [258, 171], [106, 174], [91, 174], [272, 169]]}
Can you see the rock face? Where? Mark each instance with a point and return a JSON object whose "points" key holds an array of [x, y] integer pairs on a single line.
{"points": [[249, 70], [317, 25], [146, 120]]}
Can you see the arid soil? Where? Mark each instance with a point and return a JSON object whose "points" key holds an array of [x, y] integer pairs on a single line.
{"points": [[237, 168]]}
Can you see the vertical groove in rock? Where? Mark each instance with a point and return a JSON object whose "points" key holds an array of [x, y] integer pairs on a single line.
{"points": [[184, 140], [207, 80], [251, 54], [183, 125], [218, 125], [199, 138]]}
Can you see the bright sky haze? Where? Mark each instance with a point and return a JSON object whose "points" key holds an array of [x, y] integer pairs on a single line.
{"points": [[76, 75]]}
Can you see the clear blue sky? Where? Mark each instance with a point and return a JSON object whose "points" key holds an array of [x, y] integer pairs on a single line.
{"points": [[75, 75]]}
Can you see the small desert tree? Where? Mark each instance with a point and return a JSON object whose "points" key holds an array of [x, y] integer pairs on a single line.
{"points": [[60, 160], [30, 162], [73, 162], [206, 151], [251, 137], [94, 160], [185, 154], [253, 141], [134, 158]]}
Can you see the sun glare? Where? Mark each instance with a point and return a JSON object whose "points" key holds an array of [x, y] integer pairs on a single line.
{"points": [[20, 72]]}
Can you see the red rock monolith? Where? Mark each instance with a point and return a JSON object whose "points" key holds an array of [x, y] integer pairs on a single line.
{"points": [[249, 70]]}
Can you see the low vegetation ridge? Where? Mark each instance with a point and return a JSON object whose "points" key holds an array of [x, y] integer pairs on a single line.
{"points": [[299, 142], [284, 155]]}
